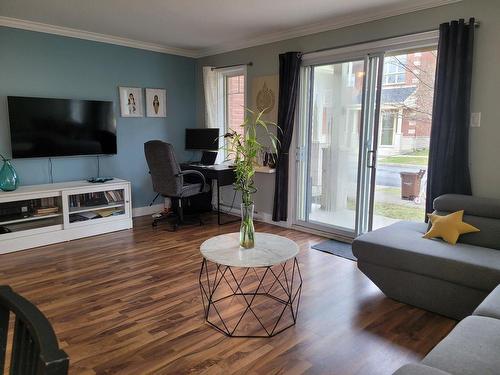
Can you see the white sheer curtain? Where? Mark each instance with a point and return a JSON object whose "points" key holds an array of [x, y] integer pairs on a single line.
{"points": [[214, 105]]}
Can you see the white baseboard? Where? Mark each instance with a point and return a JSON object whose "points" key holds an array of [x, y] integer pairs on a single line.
{"points": [[321, 233], [147, 210], [259, 216]]}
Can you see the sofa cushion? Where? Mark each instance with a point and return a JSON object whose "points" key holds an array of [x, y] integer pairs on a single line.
{"points": [[419, 369], [401, 246], [475, 206], [483, 213], [490, 307], [472, 348]]}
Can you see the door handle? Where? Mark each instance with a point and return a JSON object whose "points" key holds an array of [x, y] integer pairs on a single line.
{"points": [[372, 159]]}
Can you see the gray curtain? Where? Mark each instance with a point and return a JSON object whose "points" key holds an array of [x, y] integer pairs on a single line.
{"points": [[288, 94], [449, 144]]}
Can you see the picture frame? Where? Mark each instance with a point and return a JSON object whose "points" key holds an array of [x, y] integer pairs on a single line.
{"points": [[131, 102], [156, 103]]}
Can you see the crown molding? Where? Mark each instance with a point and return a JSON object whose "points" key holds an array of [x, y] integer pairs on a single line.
{"points": [[334, 24], [96, 37]]}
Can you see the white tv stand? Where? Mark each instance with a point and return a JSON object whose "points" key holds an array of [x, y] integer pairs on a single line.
{"points": [[77, 209]]}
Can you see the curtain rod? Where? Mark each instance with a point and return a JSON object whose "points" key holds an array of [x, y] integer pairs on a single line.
{"points": [[476, 25], [232, 66]]}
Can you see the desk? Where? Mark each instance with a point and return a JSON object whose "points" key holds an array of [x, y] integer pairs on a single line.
{"points": [[221, 173]]}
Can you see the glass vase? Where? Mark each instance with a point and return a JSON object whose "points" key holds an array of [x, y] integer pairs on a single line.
{"points": [[247, 230], [8, 177]]}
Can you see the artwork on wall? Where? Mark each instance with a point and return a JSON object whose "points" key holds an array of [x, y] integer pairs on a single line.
{"points": [[156, 102], [131, 102], [265, 96]]}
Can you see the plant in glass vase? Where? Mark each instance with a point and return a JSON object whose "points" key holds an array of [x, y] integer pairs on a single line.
{"points": [[244, 149], [8, 176]]}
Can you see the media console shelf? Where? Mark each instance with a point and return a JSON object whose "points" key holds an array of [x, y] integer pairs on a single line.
{"points": [[40, 215]]}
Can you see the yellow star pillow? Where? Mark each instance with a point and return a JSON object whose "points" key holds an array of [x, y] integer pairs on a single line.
{"points": [[449, 227]]}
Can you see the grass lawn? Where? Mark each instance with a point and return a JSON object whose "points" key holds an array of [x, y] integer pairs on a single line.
{"points": [[420, 157], [421, 152], [396, 211], [395, 191]]}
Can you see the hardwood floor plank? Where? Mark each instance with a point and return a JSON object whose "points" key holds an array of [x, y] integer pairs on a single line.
{"points": [[129, 303]]}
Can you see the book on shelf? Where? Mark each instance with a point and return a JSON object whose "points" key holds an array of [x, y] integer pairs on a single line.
{"points": [[40, 211], [95, 199], [90, 215], [48, 202], [113, 196]]}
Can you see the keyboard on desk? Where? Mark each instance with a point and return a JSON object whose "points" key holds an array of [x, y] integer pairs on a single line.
{"points": [[201, 165]]}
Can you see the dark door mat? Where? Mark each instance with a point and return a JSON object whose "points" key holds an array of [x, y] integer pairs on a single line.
{"points": [[340, 249]]}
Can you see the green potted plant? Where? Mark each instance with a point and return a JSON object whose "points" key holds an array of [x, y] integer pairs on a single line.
{"points": [[244, 150], [8, 176]]}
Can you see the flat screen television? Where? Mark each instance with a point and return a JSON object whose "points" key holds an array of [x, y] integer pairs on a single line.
{"points": [[46, 127], [202, 139]]}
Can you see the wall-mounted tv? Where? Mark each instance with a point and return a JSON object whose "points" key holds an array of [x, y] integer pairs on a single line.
{"points": [[46, 127]]}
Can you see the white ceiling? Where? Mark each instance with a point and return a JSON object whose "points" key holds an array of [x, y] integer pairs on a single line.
{"points": [[198, 27]]}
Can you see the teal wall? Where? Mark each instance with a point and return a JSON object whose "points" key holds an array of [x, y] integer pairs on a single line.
{"points": [[37, 64]]}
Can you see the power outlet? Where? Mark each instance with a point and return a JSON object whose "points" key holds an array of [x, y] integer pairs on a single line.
{"points": [[475, 119]]}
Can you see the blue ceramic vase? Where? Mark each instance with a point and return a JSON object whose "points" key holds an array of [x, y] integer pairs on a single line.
{"points": [[8, 177]]}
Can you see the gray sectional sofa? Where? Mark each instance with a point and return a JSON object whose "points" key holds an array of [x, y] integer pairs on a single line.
{"points": [[472, 347], [431, 274]]}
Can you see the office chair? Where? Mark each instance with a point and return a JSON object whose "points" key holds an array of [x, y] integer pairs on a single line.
{"points": [[168, 179]]}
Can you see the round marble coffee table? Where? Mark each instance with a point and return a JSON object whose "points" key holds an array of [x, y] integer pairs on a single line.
{"points": [[250, 292]]}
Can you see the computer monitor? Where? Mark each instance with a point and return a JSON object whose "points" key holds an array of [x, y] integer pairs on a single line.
{"points": [[202, 139]]}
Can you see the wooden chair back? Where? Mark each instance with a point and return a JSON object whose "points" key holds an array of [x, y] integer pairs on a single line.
{"points": [[34, 349]]}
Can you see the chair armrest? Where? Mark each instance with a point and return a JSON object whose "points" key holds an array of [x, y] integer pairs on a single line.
{"points": [[197, 173]]}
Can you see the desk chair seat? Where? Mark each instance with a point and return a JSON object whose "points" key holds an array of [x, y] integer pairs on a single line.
{"points": [[189, 190], [168, 178]]}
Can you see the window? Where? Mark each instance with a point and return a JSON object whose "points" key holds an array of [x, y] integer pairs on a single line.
{"points": [[232, 82], [394, 69], [235, 102], [225, 101], [388, 125]]}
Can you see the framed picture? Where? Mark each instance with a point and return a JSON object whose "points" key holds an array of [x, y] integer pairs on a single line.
{"points": [[156, 103], [131, 102]]}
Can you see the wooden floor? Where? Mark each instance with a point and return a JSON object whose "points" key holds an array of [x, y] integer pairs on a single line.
{"points": [[129, 303]]}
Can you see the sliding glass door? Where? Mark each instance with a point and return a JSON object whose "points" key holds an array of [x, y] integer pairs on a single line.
{"points": [[404, 136], [349, 110], [331, 144]]}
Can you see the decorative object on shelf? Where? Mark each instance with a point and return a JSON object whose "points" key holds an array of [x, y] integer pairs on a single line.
{"points": [[156, 103], [271, 159], [244, 150], [8, 176], [131, 102]]}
